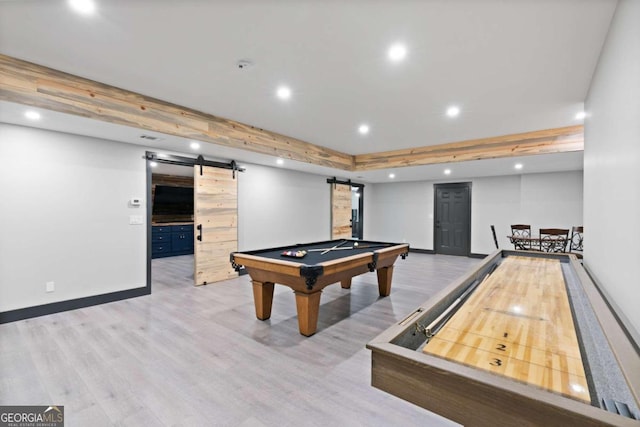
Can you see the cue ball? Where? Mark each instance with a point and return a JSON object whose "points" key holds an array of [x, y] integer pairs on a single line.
{"points": [[355, 245]]}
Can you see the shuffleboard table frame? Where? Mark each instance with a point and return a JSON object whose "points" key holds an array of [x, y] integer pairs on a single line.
{"points": [[474, 397]]}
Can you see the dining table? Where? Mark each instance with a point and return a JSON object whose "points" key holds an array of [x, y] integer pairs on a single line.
{"points": [[538, 243]]}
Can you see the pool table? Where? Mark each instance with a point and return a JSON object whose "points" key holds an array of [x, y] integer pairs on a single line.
{"points": [[316, 269]]}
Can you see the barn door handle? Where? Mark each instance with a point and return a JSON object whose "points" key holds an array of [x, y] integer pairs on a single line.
{"points": [[199, 227], [437, 224]]}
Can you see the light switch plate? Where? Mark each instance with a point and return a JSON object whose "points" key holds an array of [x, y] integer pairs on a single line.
{"points": [[135, 219]]}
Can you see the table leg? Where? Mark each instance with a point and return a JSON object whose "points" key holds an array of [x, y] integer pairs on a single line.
{"points": [[308, 306], [262, 298], [384, 280], [346, 283]]}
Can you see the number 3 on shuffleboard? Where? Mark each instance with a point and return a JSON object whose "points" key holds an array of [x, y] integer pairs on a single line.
{"points": [[495, 362]]}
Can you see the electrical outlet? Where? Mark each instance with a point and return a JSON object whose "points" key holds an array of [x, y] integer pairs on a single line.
{"points": [[135, 219], [50, 286]]}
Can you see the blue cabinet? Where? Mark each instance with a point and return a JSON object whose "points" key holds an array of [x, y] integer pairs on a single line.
{"points": [[171, 240]]}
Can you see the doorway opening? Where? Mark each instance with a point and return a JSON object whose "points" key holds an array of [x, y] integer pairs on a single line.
{"points": [[191, 218], [357, 203], [347, 213]]}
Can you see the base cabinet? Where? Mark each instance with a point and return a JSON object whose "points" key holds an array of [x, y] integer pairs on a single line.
{"points": [[171, 240]]}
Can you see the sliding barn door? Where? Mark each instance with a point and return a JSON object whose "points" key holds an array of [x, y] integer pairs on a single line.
{"points": [[216, 223], [340, 211]]}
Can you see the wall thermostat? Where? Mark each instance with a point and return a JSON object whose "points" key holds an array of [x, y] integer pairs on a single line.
{"points": [[135, 201]]}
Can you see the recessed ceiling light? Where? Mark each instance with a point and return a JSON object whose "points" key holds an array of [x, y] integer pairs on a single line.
{"points": [[363, 129], [153, 164], [284, 92], [447, 171], [32, 115], [194, 145], [397, 52], [581, 115], [453, 111], [280, 161], [392, 175], [86, 7], [518, 166]]}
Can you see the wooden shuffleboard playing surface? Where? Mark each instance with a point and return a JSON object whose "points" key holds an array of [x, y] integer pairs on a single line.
{"points": [[518, 323]]}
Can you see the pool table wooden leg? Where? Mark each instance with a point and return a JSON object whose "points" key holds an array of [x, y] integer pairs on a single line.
{"points": [[346, 283], [308, 306], [384, 280], [262, 298]]}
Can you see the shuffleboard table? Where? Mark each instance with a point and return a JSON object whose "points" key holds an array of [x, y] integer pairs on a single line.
{"points": [[308, 268], [525, 338]]}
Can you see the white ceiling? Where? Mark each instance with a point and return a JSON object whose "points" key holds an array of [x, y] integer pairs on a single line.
{"points": [[511, 66]]}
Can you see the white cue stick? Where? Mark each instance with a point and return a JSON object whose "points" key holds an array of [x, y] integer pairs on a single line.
{"points": [[346, 248], [339, 244]]}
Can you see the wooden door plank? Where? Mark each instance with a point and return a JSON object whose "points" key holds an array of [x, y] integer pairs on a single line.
{"points": [[340, 211], [216, 214]]}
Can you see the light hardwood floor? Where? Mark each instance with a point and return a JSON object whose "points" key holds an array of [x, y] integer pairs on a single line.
{"points": [[198, 356]]}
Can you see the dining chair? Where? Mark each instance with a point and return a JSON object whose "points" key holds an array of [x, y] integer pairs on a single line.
{"points": [[575, 243], [521, 230], [554, 239]]}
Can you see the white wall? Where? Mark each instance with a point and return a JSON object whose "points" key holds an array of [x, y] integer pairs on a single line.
{"points": [[65, 214], [278, 207], [65, 217], [612, 165], [65, 202], [399, 212], [496, 201], [404, 211]]}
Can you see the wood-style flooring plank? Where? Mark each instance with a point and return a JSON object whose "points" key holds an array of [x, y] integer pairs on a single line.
{"points": [[188, 355]]}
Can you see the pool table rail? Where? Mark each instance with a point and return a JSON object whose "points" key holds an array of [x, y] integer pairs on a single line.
{"points": [[308, 280], [297, 272]]}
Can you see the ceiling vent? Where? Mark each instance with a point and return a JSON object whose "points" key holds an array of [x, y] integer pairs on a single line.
{"points": [[149, 137]]}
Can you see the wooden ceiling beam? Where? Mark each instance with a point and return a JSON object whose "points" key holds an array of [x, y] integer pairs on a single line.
{"points": [[557, 140], [31, 84]]}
